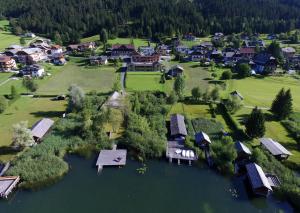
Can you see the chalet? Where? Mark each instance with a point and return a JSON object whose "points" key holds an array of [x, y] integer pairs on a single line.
{"points": [[41, 128], [288, 52], [264, 63], [275, 148], [189, 37], [216, 55], [30, 55], [163, 50], [7, 63], [202, 139], [177, 127], [123, 51], [197, 55], [182, 49], [81, 47], [29, 35], [206, 44], [237, 94], [229, 56], [7, 184], [14, 47], [98, 60], [144, 63], [258, 180], [58, 59], [175, 71], [254, 43], [247, 52], [34, 70], [272, 36], [146, 50], [56, 49], [243, 152]]}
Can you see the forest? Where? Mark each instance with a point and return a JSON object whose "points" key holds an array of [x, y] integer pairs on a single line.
{"points": [[71, 20]]}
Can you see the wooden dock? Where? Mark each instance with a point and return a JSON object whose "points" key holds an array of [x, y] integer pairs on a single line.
{"points": [[174, 151], [115, 157], [7, 184]]}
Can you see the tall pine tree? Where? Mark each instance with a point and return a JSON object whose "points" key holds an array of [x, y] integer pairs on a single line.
{"points": [[255, 124], [282, 105]]}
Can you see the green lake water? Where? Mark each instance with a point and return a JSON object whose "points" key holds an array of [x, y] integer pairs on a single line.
{"points": [[164, 188]]}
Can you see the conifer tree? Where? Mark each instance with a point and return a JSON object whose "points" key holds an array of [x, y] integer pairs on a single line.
{"points": [[282, 105], [255, 124]]}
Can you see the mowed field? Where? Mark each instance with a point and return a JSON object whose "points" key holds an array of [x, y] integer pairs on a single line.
{"points": [[88, 78], [262, 91], [6, 37]]}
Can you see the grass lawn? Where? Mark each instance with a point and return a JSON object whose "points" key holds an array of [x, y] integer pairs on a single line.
{"points": [[143, 81], [137, 41], [276, 131], [27, 109], [6, 37], [192, 111], [261, 92], [88, 78]]}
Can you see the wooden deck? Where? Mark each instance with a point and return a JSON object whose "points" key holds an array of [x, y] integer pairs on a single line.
{"points": [[7, 184], [115, 157], [174, 146]]}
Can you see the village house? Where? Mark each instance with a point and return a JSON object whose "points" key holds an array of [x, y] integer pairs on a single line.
{"points": [[275, 148], [41, 128], [146, 50], [34, 70], [182, 49], [81, 47], [175, 71], [207, 45], [58, 59], [288, 52], [7, 63], [123, 51], [254, 43], [98, 60], [258, 180], [247, 52], [30, 55], [177, 127], [189, 37], [163, 50], [144, 63], [56, 49], [264, 63], [197, 55], [29, 35]]}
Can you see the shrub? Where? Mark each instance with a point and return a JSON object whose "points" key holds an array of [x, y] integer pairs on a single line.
{"points": [[226, 75]]}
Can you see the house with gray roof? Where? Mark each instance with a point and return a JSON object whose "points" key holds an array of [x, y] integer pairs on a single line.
{"points": [[41, 128], [258, 180], [177, 127], [275, 148], [242, 150]]}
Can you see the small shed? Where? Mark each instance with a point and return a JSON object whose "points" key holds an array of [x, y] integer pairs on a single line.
{"points": [[243, 151], [176, 71], [177, 127], [41, 128], [258, 180], [7, 184], [275, 148], [115, 157], [202, 139]]}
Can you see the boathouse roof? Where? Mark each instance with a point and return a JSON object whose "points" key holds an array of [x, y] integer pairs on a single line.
{"points": [[41, 127], [257, 176], [274, 147], [240, 147], [177, 125], [202, 136]]}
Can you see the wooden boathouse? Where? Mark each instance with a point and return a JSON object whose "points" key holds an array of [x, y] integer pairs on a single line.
{"points": [[115, 157], [275, 148], [7, 184]]}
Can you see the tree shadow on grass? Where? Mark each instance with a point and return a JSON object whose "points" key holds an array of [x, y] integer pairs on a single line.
{"points": [[48, 114], [8, 150]]}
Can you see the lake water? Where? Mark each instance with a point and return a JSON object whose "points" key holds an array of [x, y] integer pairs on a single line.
{"points": [[164, 188]]}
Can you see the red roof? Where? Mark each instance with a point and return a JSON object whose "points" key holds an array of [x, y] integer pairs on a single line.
{"points": [[247, 50], [127, 46], [4, 59]]}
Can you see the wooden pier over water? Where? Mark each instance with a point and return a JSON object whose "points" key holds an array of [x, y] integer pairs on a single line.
{"points": [[115, 157]]}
